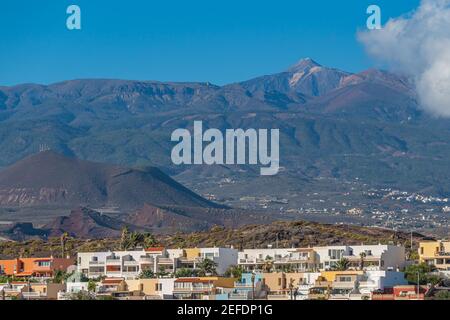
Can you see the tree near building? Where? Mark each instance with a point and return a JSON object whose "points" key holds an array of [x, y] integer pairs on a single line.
{"points": [[147, 274], [234, 271], [207, 267], [342, 265], [421, 272]]}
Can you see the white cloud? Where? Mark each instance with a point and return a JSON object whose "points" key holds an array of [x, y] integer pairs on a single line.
{"points": [[418, 44]]}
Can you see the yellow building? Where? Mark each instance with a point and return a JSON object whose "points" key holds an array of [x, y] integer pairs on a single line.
{"points": [[201, 287], [435, 253], [149, 287], [332, 276]]}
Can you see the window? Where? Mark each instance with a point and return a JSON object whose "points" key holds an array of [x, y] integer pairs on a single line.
{"points": [[345, 279], [43, 263], [421, 250], [279, 281]]}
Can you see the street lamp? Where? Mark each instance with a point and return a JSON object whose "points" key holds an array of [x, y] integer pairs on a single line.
{"points": [[418, 285]]}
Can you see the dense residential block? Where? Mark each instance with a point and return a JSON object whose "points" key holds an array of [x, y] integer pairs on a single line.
{"points": [[367, 257], [129, 264]]}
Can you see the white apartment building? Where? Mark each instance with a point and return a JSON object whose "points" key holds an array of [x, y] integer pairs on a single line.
{"points": [[375, 257], [129, 264], [297, 259]]}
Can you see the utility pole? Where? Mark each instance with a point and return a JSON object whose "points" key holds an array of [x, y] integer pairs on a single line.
{"points": [[418, 285], [277, 241], [253, 286]]}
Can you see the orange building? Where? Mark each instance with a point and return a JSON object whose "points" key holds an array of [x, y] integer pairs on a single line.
{"points": [[34, 267]]}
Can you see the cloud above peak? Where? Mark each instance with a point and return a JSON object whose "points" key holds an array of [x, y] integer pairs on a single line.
{"points": [[418, 45]]}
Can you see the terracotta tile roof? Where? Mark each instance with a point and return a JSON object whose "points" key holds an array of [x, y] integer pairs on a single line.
{"points": [[112, 281], [155, 249], [193, 280], [25, 274]]}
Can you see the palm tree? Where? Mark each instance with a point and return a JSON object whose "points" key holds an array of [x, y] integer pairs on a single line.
{"points": [[234, 271], [92, 286], [149, 240], [135, 239], [207, 267], [268, 264], [362, 256], [64, 237], [59, 276], [185, 273], [124, 239], [342, 265]]}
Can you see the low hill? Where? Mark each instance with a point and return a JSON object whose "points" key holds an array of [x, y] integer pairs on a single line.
{"points": [[288, 234], [85, 223], [48, 178]]}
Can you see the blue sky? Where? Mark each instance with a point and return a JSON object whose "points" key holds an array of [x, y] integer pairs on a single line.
{"points": [[216, 40]]}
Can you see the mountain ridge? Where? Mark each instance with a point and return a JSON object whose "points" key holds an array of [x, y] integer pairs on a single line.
{"points": [[334, 125]]}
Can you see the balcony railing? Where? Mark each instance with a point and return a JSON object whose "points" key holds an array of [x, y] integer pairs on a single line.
{"points": [[96, 262], [30, 295], [165, 261], [442, 254], [243, 284], [238, 296], [146, 260], [113, 261], [344, 284], [193, 288]]}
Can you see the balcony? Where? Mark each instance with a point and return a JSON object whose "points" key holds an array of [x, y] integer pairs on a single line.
{"points": [[344, 284], [238, 296], [166, 261], [442, 254], [339, 296], [243, 284], [193, 289], [113, 261], [34, 295], [130, 263], [96, 263], [283, 296], [368, 284], [293, 260], [146, 260], [247, 261]]}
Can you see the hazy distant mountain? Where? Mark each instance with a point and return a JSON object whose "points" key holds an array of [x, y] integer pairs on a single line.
{"points": [[306, 78], [334, 124]]}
